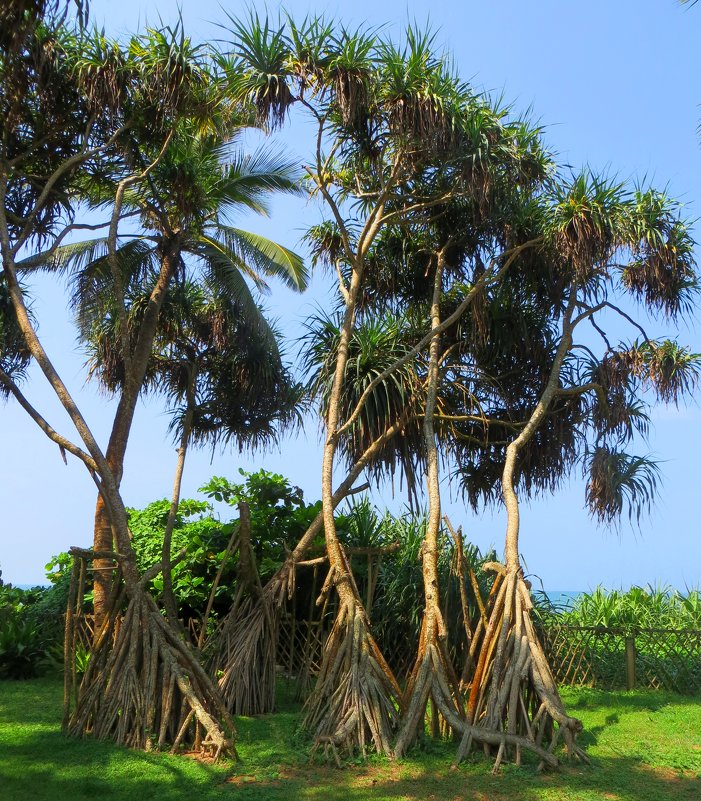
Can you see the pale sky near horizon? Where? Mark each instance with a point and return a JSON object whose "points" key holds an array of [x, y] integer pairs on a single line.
{"points": [[617, 86]]}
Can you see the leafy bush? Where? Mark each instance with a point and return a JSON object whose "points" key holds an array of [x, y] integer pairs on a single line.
{"points": [[637, 608], [24, 641], [22, 649], [279, 517]]}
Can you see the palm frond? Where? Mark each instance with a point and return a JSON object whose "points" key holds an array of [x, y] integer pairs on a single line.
{"points": [[265, 256], [73, 257]]}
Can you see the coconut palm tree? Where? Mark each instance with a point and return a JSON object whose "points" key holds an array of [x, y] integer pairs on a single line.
{"points": [[218, 365], [184, 208]]}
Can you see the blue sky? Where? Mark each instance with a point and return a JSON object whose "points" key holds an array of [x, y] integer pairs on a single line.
{"points": [[617, 87]]}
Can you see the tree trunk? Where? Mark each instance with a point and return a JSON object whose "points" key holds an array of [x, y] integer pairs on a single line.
{"points": [[514, 702], [433, 673], [169, 601], [356, 696], [133, 671], [136, 365]]}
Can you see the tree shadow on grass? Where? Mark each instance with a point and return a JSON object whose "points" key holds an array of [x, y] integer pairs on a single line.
{"points": [[46, 766], [38, 764], [585, 698], [609, 780]]}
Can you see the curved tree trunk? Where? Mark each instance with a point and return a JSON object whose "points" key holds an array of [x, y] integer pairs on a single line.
{"points": [[356, 698], [433, 676], [514, 704], [136, 668], [136, 364]]}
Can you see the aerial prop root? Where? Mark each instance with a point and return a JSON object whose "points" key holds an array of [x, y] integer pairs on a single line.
{"points": [[144, 688], [244, 653], [241, 654], [433, 676], [356, 701], [514, 702]]}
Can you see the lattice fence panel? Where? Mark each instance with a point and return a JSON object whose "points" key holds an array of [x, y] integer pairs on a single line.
{"points": [[668, 659], [586, 656]]}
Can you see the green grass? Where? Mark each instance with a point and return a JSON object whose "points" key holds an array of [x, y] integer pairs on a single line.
{"points": [[645, 746]]}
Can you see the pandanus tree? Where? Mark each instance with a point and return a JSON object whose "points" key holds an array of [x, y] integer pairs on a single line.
{"points": [[81, 113], [484, 375], [569, 403], [244, 649], [397, 134], [438, 272]]}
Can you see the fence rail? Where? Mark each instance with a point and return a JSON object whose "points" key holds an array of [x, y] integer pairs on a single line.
{"points": [[610, 659], [579, 656]]}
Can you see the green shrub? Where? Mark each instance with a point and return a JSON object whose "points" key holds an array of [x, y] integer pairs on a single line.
{"points": [[30, 625], [23, 649]]}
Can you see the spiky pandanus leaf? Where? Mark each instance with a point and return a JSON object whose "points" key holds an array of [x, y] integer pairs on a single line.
{"points": [[14, 354], [662, 271], [619, 482], [375, 344], [672, 370], [351, 61], [260, 68]]}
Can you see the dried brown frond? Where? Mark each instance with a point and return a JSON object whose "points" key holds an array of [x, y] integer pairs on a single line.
{"points": [[581, 244], [424, 120], [352, 95], [672, 370], [660, 280], [104, 85]]}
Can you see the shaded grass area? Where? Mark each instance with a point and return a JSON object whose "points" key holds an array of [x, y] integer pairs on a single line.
{"points": [[645, 746]]}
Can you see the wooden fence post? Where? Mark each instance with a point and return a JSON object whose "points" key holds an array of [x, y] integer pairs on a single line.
{"points": [[630, 663]]}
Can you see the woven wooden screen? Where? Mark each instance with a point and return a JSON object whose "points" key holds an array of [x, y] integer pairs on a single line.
{"points": [[668, 659]]}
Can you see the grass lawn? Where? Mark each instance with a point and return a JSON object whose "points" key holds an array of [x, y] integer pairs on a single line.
{"points": [[644, 746]]}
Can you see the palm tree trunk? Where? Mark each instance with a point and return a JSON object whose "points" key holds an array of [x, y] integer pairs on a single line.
{"points": [[168, 595], [136, 365]]}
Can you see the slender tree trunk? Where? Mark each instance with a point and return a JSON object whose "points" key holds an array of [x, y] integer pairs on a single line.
{"points": [[168, 595], [141, 674], [433, 663], [355, 699]]}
